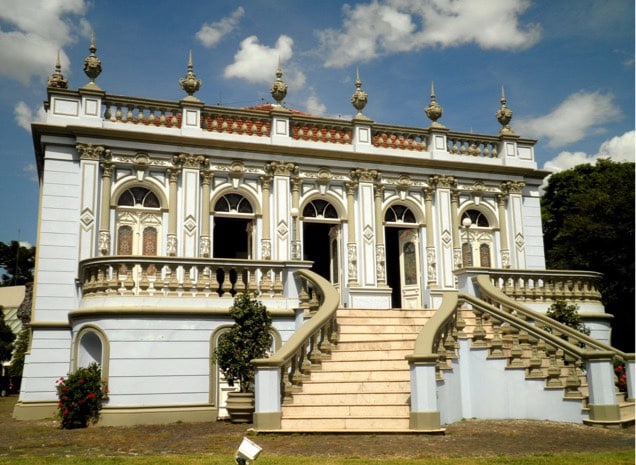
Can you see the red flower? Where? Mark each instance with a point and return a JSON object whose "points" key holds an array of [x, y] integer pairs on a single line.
{"points": [[65, 412], [91, 395]]}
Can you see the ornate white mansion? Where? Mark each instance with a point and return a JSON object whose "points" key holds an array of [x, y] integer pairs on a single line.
{"points": [[403, 267]]}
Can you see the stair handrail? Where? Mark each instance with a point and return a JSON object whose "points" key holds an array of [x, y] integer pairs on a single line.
{"points": [[491, 294], [427, 340], [329, 301]]}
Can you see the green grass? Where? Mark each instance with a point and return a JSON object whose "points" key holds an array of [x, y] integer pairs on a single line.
{"points": [[626, 458]]}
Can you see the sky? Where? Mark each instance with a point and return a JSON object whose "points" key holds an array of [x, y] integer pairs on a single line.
{"points": [[567, 67]]}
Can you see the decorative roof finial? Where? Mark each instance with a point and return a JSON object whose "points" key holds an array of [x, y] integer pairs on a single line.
{"points": [[279, 88], [434, 111], [56, 80], [504, 115], [92, 64], [189, 83], [359, 97]]}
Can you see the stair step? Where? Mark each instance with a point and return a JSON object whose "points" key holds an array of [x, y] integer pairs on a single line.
{"points": [[346, 346], [394, 320], [363, 365], [357, 376], [362, 337], [379, 329], [359, 355], [352, 387], [342, 424], [345, 411], [352, 400]]}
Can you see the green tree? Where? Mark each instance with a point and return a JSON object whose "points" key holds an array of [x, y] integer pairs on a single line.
{"points": [[21, 346], [588, 224], [248, 338], [17, 263], [6, 339]]}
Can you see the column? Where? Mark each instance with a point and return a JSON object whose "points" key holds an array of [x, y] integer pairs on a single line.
{"points": [[296, 249], [281, 215], [204, 241], [266, 241], [90, 157], [445, 223], [503, 230], [380, 251], [457, 245], [171, 248], [352, 252], [104, 219], [514, 189], [431, 256]]}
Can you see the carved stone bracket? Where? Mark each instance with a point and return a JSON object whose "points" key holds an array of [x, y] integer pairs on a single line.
{"points": [[442, 181], [93, 152], [188, 160], [512, 187], [364, 175], [277, 168]]}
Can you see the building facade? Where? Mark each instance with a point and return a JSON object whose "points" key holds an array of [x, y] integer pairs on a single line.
{"points": [[154, 213]]}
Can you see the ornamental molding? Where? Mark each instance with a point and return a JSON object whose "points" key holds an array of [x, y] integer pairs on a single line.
{"points": [[277, 168], [364, 175], [188, 160], [445, 182], [93, 152], [512, 187]]}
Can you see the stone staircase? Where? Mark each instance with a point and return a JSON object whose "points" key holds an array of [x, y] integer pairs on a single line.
{"points": [[364, 385]]}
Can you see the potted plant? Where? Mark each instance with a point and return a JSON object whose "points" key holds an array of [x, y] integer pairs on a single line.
{"points": [[248, 338]]}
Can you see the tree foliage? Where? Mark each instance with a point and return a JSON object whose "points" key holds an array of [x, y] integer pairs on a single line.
{"points": [[16, 263], [247, 339], [588, 224], [6, 339], [21, 345], [567, 314]]}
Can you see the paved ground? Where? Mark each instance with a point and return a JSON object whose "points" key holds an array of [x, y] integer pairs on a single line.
{"points": [[467, 438]]}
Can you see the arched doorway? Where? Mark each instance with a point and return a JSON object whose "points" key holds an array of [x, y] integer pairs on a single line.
{"points": [[403, 270], [321, 239], [233, 227]]}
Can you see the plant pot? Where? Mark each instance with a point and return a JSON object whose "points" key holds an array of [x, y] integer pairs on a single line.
{"points": [[240, 406]]}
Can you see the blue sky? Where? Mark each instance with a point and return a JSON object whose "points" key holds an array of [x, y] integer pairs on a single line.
{"points": [[567, 67]]}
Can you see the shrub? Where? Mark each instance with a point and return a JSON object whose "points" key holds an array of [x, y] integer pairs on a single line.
{"points": [[248, 338], [567, 315], [80, 397]]}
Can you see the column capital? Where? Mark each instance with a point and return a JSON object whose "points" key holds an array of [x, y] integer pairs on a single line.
{"points": [[277, 168], [512, 187], [364, 175], [93, 152], [442, 181]]}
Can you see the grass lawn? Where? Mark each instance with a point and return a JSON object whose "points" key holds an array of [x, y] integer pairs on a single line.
{"points": [[470, 442]]}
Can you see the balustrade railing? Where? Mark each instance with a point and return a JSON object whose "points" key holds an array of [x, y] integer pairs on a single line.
{"points": [[172, 276], [235, 121], [473, 145], [548, 286], [160, 113], [305, 349], [319, 130], [400, 138]]}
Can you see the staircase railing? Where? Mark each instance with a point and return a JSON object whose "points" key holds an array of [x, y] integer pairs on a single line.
{"points": [[544, 348], [278, 376]]}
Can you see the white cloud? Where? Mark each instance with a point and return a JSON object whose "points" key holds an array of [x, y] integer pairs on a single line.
{"points": [[211, 34], [24, 115], [38, 29], [390, 26], [618, 148], [315, 107], [578, 115], [256, 63]]}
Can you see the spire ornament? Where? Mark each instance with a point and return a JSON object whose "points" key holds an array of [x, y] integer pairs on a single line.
{"points": [[279, 88], [504, 115], [189, 83], [359, 98], [56, 80], [434, 111], [92, 64]]}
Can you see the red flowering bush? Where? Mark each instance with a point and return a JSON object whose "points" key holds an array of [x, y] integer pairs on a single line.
{"points": [[621, 376], [80, 397]]}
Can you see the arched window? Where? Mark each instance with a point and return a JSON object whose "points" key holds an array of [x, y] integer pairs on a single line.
{"points": [[477, 239], [320, 208], [138, 197], [477, 218], [233, 203], [138, 222], [399, 214], [90, 349]]}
